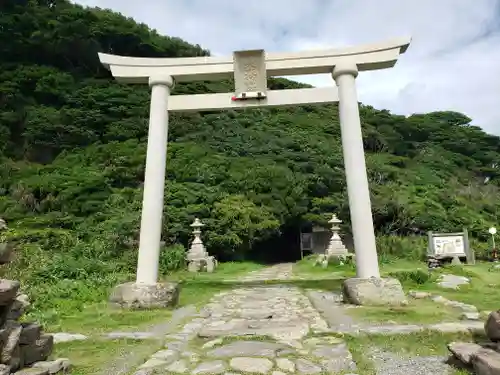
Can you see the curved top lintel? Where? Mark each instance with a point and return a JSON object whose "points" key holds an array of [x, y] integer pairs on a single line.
{"points": [[108, 59]]}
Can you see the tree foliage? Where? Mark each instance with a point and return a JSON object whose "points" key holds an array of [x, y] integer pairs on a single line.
{"points": [[72, 142]]}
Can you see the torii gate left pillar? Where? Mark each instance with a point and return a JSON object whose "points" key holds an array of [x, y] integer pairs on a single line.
{"points": [[154, 181]]}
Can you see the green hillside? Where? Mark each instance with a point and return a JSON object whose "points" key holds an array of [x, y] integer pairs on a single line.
{"points": [[72, 144]]}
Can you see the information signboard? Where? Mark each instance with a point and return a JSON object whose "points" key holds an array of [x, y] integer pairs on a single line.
{"points": [[450, 245]]}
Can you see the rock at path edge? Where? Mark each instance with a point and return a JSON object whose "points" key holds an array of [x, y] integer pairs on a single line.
{"points": [[67, 337], [452, 281], [492, 326]]}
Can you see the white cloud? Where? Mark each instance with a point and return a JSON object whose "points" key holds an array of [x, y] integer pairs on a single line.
{"points": [[452, 64]]}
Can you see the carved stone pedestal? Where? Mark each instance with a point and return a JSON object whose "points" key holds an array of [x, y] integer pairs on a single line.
{"points": [[143, 296], [374, 292], [206, 264]]}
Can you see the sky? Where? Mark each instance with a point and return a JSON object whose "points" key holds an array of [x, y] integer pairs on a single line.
{"points": [[453, 62]]}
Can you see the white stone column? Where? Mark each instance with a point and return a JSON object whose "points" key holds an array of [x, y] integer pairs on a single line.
{"points": [[154, 181], [345, 75]]}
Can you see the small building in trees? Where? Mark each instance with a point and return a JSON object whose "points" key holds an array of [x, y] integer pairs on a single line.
{"points": [[314, 239]]}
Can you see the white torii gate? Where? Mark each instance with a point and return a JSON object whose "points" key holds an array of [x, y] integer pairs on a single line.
{"points": [[250, 70]]}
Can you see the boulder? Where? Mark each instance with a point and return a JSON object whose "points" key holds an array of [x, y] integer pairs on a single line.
{"points": [[18, 307], [38, 351], [30, 333], [8, 291], [10, 351], [374, 291], [492, 326]]}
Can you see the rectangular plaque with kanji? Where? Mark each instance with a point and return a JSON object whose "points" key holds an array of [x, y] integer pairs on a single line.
{"points": [[250, 76]]}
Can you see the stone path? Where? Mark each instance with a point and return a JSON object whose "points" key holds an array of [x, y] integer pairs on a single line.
{"points": [[276, 330], [281, 271], [279, 330], [262, 330], [281, 312]]}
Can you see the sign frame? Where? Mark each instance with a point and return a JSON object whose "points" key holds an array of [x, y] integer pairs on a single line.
{"points": [[468, 252]]}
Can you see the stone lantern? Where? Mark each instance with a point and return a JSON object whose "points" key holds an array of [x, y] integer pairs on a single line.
{"points": [[335, 247], [197, 256]]}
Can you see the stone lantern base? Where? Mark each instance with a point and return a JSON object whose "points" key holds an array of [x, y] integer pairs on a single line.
{"points": [[204, 264], [337, 259], [143, 296]]}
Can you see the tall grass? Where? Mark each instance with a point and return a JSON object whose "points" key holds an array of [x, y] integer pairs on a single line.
{"points": [[408, 248]]}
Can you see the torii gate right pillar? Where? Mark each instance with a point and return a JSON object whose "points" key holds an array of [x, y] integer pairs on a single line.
{"points": [[345, 74]]}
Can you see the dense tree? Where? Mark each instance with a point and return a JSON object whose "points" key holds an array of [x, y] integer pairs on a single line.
{"points": [[72, 142]]}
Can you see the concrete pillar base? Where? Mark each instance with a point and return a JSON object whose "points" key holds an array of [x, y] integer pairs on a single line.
{"points": [[144, 296], [374, 292]]}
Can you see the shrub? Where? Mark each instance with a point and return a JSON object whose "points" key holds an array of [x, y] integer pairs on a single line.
{"points": [[172, 258], [416, 276]]}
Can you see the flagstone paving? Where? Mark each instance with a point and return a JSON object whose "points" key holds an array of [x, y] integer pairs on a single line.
{"points": [[274, 330]]}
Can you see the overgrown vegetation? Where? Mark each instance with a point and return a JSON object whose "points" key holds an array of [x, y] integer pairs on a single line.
{"points": [[72, 150]]}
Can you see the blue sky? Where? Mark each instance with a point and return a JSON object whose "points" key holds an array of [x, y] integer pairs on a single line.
{"points": [[452, 64]]}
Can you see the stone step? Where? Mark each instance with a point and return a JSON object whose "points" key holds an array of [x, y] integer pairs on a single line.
{"points": [[484, 358]]}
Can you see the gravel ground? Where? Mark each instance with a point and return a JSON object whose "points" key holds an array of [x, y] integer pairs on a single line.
{"points": [[388, 363]]}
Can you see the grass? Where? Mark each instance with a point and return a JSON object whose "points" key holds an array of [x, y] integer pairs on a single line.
{"points": [[483, 291], [96, 357], [101, 318], [306, 268], [80, 306], [417, 311], [85, 310], [225, 272]]}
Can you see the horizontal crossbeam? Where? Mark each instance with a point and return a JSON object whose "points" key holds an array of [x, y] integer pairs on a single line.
{"points": [[206, 102], [369, 57]]}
